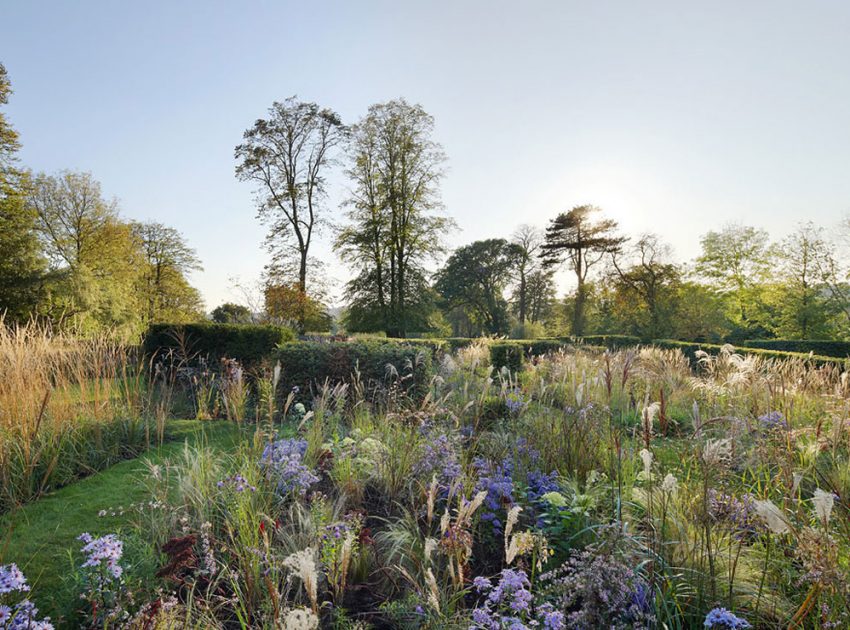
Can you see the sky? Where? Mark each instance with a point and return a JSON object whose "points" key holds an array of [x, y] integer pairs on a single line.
{"points": [[673, 117]]}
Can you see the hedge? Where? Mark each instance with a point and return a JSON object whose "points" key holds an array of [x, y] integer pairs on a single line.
{"points": [[609, 341], [248, 343], [689, 349], [306, 365], [822, 347]]}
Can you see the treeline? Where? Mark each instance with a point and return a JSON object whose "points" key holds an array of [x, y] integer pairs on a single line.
{"points": [[69, 258], [740, 285]]}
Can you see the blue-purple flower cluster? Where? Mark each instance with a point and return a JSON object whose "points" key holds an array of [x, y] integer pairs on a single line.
{"points": [[501, 479], [440, 458], [737, 513], [237, 483], [104, 552], [12, 579], [23, 614], [283, 461], [497, 481], [773, 420], [510, 604], [515, 400], [722, 618]]}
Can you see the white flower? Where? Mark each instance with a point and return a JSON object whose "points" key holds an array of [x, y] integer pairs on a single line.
{"points": [[823, 505]]}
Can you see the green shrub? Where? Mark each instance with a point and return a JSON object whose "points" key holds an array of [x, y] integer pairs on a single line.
{"points": [[822, 347], [509, 354], [250, 344], [306, 364]]}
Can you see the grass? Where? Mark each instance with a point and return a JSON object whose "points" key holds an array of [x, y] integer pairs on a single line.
{"points": [[39, 536]]}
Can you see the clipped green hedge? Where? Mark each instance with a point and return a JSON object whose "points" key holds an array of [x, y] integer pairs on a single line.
{"points": [[306, 364], [822, 347], [610, 341], [689, 349], [248, 343]]}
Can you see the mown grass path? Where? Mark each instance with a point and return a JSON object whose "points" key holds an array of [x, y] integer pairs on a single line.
{"points": [[39, 536]]}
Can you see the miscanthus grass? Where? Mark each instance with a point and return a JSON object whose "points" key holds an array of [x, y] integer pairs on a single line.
{"points": [[621, 489]]}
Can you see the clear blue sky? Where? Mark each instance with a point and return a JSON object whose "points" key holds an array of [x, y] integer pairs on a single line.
{"points": [[674, 117]]}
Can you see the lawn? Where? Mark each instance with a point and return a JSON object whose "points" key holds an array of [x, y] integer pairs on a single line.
{"points": [[40, 535]]}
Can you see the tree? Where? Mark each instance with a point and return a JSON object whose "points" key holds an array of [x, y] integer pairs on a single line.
{"points": [[575, 237], [736, 260], [22, 264], [230, 313], [540, 295], [700, 314], [9, 142], [168, 259], [649, 281], [286, 156], [285, 304], [799, 299], [395, 168], [93, 255], [475, 277], [528, 240]]}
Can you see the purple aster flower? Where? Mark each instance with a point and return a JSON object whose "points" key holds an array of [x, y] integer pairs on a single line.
{"points": [[722, 618], [283, 461], [11, 579]]}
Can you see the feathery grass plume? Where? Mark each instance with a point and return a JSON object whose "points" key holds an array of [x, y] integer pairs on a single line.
{"points": [[777, 521], [510, 521], [648, 415], [670, 484], [303, 564], [300, 619], [431, 498], [433, 590], [646, 458], [717, 452], [823, 502]]}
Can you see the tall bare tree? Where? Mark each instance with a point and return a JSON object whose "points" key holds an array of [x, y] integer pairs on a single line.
{"points": [[528, 241], [576, 238], [287, 156]]}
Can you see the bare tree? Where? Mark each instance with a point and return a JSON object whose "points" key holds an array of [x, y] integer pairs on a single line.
{"points": [[287, 155], [528, 240]]}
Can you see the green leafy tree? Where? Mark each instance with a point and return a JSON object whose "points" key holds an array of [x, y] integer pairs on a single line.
{"points": [[647, 282], [736, 261], [230, 313], [163, 282], [393, 230], [798, 298], [576, 238], [287, 156], [22, 264], [475, 278], [94, 257], [700, 314]]}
